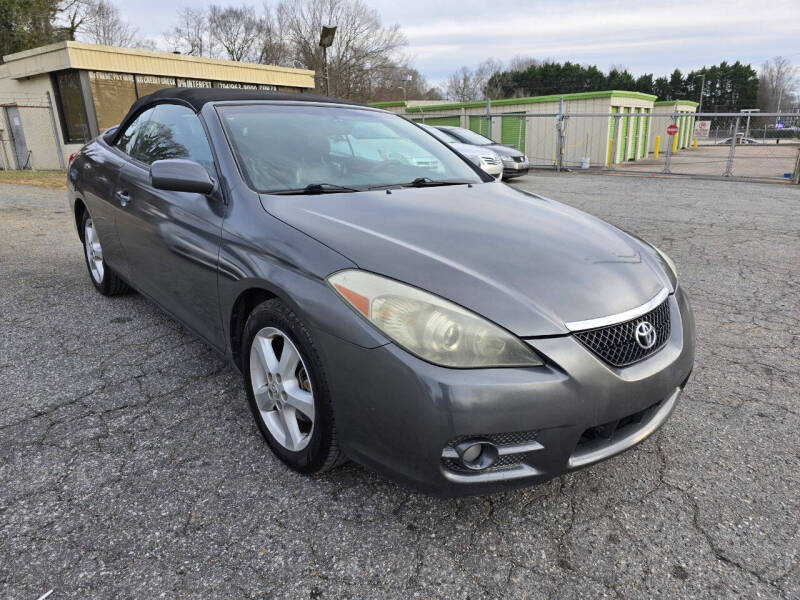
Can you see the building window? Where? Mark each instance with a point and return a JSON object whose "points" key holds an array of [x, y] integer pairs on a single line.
{"points": [[113, 94], [71, 108]]}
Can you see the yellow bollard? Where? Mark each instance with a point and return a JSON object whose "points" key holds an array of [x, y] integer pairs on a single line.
{"points": [[610, 148], [658, 146], [674, 143], [695, 143]]}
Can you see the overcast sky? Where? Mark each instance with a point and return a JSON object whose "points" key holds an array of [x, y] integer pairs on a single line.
{"points": [[645, 36]]}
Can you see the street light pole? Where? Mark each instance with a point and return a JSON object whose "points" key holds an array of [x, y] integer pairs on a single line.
{"points": [[702, 88], [325, 42]]}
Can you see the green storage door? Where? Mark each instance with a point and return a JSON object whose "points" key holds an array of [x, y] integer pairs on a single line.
{"points": [[633, 150], [645, 131], [622, 143], [612, 121], [512, 132], [450, 121], [479, 125]]}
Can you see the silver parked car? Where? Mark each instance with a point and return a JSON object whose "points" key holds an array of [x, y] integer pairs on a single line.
{"points": [[515, 163], [486, 159]]}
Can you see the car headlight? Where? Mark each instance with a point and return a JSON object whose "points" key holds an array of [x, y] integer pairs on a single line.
{"points": [[430, 327], [669, 262]]}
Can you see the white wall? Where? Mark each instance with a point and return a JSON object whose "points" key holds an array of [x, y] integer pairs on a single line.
{"points": [[29, 95]]}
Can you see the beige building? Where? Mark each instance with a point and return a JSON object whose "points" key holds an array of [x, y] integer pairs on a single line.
{"points": [[55, 98]]}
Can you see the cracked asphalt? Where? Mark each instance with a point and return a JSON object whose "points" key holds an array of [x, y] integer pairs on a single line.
{"points": [[130, 466]]}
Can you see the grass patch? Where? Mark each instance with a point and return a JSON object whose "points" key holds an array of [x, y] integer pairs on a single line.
{"points": [[56, 180]]}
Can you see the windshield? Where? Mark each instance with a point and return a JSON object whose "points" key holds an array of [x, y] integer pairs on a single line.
{"points": [[441, 134], [470, 137], [291, 147]]}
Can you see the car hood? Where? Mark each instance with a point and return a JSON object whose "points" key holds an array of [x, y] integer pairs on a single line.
{"points": [[471, 150], [504, 150], [527, 263]]}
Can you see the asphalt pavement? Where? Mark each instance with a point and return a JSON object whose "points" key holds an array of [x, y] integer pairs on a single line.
{"points": [[130, 466]]}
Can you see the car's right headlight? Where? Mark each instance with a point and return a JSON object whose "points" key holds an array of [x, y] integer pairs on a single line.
{"points": [[431, 327]]}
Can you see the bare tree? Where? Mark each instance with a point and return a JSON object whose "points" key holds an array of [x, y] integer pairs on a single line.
{"points": [[465, 84], [363, 49], [778, 82], [271, 44], [102, 24], [235, 30], [521, 63], [191, 33], [462, 85]]}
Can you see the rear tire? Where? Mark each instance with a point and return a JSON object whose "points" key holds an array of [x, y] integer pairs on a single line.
{"points": [[287, 389], [103, 277]]}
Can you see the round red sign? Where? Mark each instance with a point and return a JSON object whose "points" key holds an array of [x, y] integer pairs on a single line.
{"points": [[672, 129]]}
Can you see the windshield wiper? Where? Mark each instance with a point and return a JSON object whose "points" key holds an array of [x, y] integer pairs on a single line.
{"points": [[428, 182], [316, 188], [419, 182]]}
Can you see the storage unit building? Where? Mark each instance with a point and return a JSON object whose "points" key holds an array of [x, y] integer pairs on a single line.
{"points": [[514, 123], [55, 98], [663, 112]]}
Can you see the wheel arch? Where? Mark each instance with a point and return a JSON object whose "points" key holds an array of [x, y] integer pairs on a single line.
{"points": [[78, 210], [244, 304]]}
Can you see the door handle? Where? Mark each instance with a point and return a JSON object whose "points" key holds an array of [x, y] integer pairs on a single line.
{"points": [[123, 197]]}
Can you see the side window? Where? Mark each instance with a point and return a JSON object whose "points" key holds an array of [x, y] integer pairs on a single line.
{"points": [[173, 131], [126, 141]]}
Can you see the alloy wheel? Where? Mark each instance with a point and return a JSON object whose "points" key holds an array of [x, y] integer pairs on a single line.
{"points": [[282, 388], [94, 251]]}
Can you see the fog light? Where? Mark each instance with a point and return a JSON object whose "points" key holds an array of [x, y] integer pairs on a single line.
{"points": [[477, 454]]}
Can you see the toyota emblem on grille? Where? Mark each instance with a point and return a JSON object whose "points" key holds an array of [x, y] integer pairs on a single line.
{"points": [[645, 335]]}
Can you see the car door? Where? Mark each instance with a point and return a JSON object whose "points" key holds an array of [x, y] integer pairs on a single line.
{"points": [[99, 176], [171, 239]]}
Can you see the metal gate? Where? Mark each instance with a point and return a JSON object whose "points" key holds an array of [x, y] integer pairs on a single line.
{"points": [[17, 138]]}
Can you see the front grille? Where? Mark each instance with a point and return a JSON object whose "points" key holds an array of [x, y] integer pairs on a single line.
{"points": [[605, 434], [519, 158], [617, 345], [490, 160]]}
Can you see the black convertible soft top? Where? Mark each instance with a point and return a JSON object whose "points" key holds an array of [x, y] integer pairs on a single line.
{"points": [[197, 97]]}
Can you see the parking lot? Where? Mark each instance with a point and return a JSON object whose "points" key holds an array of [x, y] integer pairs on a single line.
{"points": [[130, 466], [767, 161]]}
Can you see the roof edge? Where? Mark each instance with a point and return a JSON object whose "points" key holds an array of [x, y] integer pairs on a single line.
{"points": [[387, 103], [537, 99], [673, 102]]}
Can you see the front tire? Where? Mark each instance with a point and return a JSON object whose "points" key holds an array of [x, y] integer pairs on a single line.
{"points": [[287, 389], [104, 279]]}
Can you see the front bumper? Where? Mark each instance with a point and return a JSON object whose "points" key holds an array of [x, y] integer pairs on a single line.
{"points": [[515, 169], [493, 170], [401, 416]]}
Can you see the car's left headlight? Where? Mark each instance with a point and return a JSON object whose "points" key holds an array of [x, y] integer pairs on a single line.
{"points": [[431, 327]]}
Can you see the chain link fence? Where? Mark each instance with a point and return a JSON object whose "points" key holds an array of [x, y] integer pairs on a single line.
{"points": [[29, 136], [748, 146]]}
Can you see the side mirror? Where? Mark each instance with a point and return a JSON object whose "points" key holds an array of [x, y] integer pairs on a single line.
{"points": [[180, 175]]}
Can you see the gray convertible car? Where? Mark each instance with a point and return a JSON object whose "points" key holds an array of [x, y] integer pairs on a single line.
{"points": [[385, 301]]}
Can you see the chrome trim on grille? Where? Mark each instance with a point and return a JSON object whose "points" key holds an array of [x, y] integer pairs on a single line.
{"points": [[619, 317], [581, 459]]}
